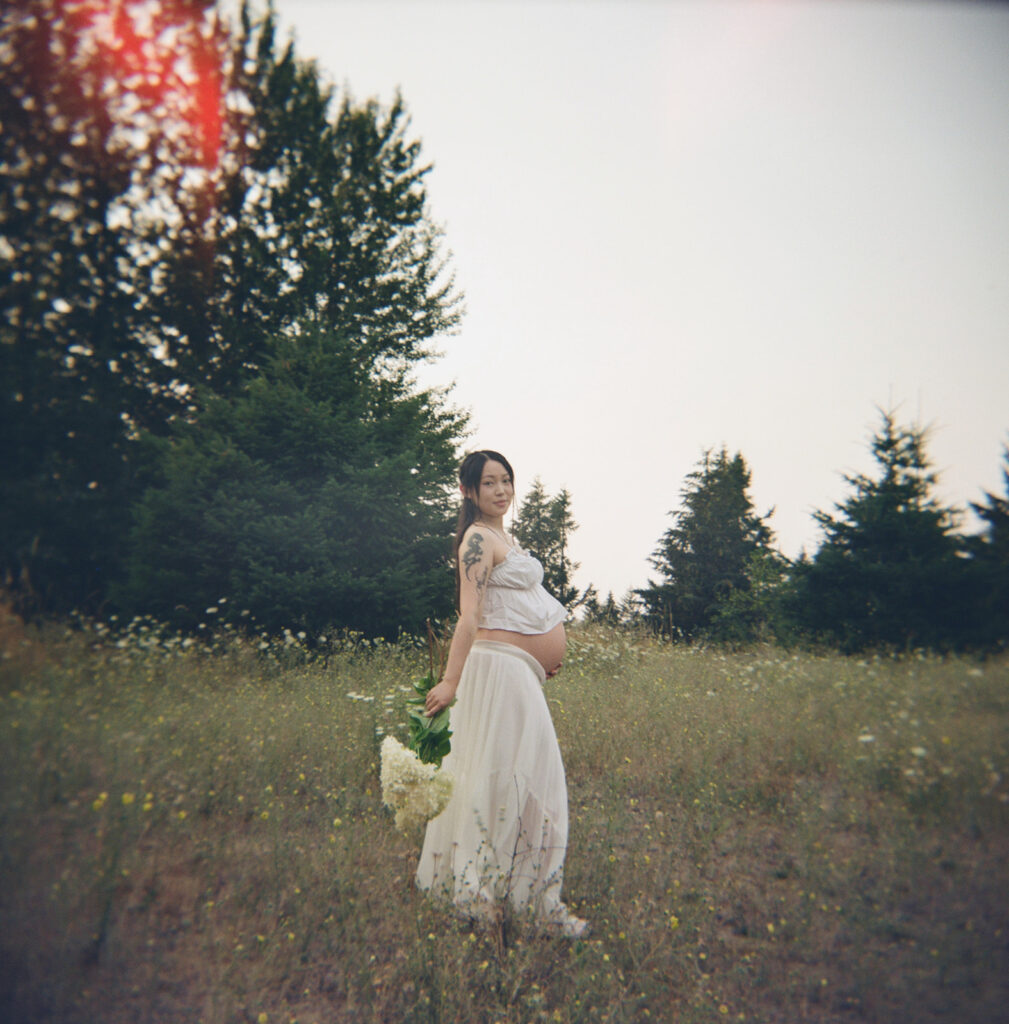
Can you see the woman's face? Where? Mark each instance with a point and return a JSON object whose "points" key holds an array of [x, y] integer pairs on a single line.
{"points": [[495, 492]]}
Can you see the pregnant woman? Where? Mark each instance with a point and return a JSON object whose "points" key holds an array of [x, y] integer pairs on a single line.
{"points": [[503, 836]]}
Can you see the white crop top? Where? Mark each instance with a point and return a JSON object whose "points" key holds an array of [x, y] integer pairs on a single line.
{"points": [[515, 598]]}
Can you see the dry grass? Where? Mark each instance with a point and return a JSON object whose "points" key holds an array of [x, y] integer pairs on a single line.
{"points": [[193, 835]]}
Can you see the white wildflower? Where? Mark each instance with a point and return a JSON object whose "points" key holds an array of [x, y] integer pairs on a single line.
{"points": [[919, 751], [416, 791], [867, 737]]}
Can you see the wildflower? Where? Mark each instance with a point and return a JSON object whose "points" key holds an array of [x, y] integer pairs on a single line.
{"points": [[866, 737], [919, 751], [100, 802], [674, 922], [415, 791], [128, 798]]}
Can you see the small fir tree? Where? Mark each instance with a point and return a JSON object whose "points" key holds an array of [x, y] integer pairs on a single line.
{"points": [[543, 525], [704, 557], [607, 613]]}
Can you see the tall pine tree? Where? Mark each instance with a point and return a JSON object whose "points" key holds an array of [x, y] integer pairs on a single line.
{"points": [[889, 571], [704, 557], [543, 526]]}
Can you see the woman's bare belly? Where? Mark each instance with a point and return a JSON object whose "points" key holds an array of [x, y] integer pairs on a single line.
{"points": [[547, 648]]}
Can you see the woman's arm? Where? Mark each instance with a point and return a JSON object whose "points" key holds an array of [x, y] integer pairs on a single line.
{"points": [[476, 559]]}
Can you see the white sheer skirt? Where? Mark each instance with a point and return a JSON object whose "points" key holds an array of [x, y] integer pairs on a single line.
{"points": [[504, 833]]}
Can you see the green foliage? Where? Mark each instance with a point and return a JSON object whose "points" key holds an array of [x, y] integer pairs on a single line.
{"points": [[315, 216], [989, 568], [889, 571], [87, 125], [606, 613], [430, 738], [542, 526], [756, 612], [163, 254], [707, 555], [312, 500]]}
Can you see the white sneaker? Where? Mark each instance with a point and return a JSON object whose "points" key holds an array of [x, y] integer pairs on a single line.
{"points": [[569, 926], [575, 927]]}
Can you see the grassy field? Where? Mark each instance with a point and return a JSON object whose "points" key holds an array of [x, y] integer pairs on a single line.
{"points": [[194, 834]]}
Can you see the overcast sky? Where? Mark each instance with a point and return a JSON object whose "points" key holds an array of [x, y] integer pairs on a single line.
{"points": [[680, 225]]}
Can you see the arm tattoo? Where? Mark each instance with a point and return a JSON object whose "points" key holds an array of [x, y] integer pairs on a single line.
{"points": [[481, 583], [473, 553]]}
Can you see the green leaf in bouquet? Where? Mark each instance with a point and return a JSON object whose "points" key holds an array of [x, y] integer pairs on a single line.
{"points": [[424, 684], [439, 723], [429, 737]]}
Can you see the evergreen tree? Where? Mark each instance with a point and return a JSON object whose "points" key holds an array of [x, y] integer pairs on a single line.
{"points": [[607, 613], [889, 571], [542, 526], [314, 499], [756, 612], [989, 568], [705, 555], [180, 204], [86, 116], [315, 216]]}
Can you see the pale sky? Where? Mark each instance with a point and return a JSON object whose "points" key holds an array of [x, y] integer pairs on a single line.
{"points": [[686, 224]]}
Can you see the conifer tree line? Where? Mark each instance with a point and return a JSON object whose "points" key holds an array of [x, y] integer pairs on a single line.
{"points": [[893, 570], [217, 276]]}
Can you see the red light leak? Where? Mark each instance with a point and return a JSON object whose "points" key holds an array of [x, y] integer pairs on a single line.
{"points": [[187, 79]]}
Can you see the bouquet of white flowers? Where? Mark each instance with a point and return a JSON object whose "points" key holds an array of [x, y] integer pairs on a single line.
{"points": [[413, 784], [416, 791]]}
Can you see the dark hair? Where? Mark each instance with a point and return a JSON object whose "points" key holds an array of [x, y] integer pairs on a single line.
{"points": [[470, 473]]}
